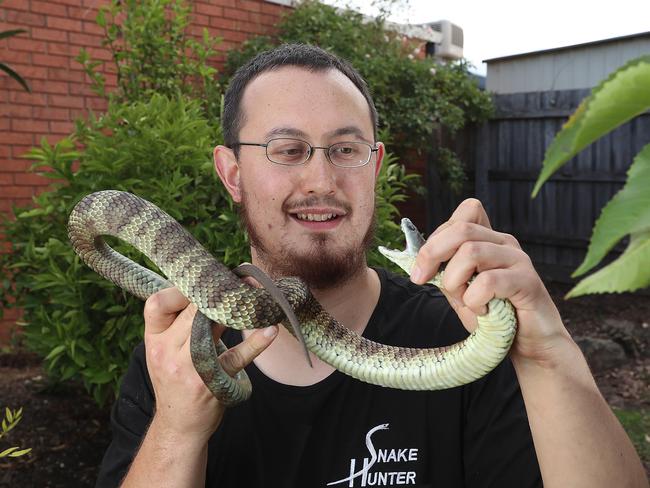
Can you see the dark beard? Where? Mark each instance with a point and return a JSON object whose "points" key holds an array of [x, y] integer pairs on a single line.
{"points": [[320, 268]]}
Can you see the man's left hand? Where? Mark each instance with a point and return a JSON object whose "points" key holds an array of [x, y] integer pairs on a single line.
{"points": [[469, 245]]}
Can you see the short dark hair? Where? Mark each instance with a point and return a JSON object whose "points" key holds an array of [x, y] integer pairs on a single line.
{"points": [[307, 56]]}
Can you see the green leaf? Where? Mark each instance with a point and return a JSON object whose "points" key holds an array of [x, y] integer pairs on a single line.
{"points": [[19, 453], [628, 273], [628, 212], [619, 98], [11, 33], [55, 352], [15, 76]]}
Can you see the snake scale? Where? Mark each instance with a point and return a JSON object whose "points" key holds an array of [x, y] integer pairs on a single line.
{"points": [[222, 297]]}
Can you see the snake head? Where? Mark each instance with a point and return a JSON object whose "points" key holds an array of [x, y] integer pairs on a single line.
{"points": [[405, 259]]}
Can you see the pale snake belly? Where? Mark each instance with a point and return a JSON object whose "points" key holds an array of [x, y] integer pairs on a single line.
{"points": [[222, 297]]}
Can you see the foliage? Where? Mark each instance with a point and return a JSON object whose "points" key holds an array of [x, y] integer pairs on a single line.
{"points": [[3, 67], [12, 417], [413, 96], [618, 99], [153, 54]]}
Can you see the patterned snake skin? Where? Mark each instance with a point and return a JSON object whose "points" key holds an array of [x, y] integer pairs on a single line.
{"points": [[222, 297]]}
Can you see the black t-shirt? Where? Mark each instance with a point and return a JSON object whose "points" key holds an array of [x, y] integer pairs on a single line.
{"points": [[341, 432]]}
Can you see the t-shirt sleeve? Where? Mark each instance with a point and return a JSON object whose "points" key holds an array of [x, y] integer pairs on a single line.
{"points": [[498, 445], [130, 418]]}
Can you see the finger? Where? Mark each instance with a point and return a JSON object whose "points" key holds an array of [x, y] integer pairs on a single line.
{"points": [[471, 210], [179, 332], [494, 283], [161, 309], [443, 245], [474, 257], [240, 356]]}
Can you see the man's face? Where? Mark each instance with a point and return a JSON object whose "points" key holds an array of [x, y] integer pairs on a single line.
{"points": [[314, 220]]}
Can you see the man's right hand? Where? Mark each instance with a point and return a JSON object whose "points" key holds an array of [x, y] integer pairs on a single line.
{"points": [[184, 405]]}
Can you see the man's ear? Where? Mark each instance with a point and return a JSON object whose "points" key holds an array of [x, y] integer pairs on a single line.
{"points": [[379, 159], [227, 168]]}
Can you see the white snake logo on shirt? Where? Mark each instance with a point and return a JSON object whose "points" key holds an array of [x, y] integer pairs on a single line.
{"points": [[373, 456]]}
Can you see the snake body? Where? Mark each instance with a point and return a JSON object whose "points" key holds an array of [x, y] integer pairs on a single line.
{"points": [[222, 297]]}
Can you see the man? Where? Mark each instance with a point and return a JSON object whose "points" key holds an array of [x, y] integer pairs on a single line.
{"points": [[292, 117]]}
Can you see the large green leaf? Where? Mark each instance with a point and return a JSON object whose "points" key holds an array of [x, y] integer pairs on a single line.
{"points": [[621, 97], [628, 273], [628, 212]]}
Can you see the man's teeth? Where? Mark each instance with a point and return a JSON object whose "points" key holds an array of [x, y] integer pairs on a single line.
{"points": [[316, 217]]}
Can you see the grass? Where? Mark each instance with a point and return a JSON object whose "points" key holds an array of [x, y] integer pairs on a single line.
{"points": [[637, 426]]}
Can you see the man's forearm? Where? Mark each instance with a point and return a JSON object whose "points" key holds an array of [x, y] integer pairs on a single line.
{"points": [[578, 440], [166, 460]]}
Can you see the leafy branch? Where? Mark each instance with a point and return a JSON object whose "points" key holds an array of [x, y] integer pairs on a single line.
{"points": [[618, 99], [12, 417]]}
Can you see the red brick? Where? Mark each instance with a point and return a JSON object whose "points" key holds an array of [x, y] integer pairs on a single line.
{"points": [[24, 44], [10, 56], [200, 20], [51, 113], [50, 86], [250, 6], [51, 60], [61, 127], [6, 179], [16, 165], [20, 111], [5, 151], [26, 98], [233, 13], [64, 24], [17, 150], [30, 179], [269, 8], [100, 53], [65, 74], [270, 20], [25, 125], [49, 8], [226, 3], [60, 48], [91, 27], [96, 103], [210, 10], [49, 34], [80, 89], [7, 137], [39, 72], [65, 101], [14, 4], [221, 23], [85, 40], [18, 191], [24, 18]]}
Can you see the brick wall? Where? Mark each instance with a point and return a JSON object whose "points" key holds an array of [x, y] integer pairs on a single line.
{"points": [[44, 56]]}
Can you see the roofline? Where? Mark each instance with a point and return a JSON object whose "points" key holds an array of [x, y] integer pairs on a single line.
{"points": [[573, 46]]}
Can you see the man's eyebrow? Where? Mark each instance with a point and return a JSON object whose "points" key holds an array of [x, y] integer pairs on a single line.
{"points": [[349, 130], [285, 131]]}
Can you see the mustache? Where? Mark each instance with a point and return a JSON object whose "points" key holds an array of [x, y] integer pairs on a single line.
{"points": [[317, 201]]}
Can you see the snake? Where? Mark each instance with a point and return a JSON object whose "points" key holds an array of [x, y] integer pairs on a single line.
{"points": [[221, 296]]}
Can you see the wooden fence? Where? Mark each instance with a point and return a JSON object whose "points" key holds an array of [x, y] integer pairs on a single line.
{"points": [[503, 158]]}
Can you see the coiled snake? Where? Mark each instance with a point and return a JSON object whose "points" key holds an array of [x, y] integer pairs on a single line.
{"points": [[222, 297]]}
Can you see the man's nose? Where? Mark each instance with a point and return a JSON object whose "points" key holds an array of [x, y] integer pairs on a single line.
{"points": [[318, 175]]}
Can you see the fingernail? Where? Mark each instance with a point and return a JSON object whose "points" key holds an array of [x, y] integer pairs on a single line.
{"points": [[270, 331], [417, 275]]}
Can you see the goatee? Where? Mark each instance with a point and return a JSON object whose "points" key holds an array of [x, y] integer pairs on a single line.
{"points": [[321, 267]]}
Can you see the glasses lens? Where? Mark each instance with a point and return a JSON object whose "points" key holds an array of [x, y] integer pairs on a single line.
{"points": [[287, 151], [350, 154]]}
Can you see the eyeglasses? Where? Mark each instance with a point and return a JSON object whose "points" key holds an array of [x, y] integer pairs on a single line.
{"points": [[294, 152]]}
